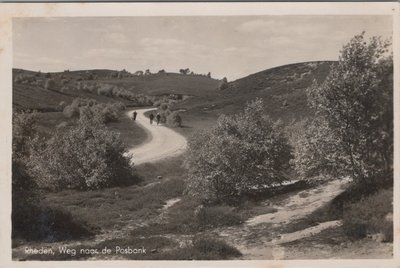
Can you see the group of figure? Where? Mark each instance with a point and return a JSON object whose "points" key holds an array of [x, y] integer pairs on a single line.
{"points": [[158, 118], [151, 116]]}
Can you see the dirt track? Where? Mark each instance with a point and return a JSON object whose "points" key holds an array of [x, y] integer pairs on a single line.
{"points": [[163, 141]]}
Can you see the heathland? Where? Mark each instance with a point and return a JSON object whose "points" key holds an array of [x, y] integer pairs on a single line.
{"points": [[288, 163]]}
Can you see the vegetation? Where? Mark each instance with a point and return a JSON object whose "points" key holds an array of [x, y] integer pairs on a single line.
{"points": [[353, 132], [174, 119], [104, 112], [31, 221], [87, 156], [241, 153], [370, 215]]}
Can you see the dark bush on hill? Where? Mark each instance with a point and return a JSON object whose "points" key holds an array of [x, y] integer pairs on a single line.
{"points": [[174, 119], [370, 215], [104, 112], [240, 154], [49, 84], [215, 216]]}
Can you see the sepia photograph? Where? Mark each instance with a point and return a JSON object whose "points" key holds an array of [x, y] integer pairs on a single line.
{"points": [[202, 137]]}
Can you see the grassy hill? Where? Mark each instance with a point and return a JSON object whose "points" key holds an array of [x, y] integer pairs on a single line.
{"points": [[168, 83], [282, 88], [30, 91]]}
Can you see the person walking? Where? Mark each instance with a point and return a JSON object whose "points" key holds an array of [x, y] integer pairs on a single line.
{"points": [[158, 118], [134, 115], [151, 116]]}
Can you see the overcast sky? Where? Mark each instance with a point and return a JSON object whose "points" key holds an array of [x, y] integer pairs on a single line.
{"points": [[232, 46]]}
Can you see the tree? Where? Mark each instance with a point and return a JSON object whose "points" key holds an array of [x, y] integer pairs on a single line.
{"points": [[24, 187], [139, 73], [224, 83], [147, 72], [174, 119], [353, 132], [162, 71], [49, 84], [241, 153], [209, 75], [87, 156], [184, 71]]}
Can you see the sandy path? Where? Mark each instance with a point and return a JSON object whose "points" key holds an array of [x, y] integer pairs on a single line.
{"points": [[260, 237], [163, 141]]}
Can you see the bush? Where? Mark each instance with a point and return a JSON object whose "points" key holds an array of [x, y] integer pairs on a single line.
{"points": [[71, 111], [86, 156], [242, 153], [353, 131], [24, 199], [174, 119], [49, 225], [49, 84], [210, 248], [215, 216], [369, 216], [103, 112]]}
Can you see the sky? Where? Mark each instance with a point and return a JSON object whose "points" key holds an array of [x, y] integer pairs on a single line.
{"points": [[226, 46]]}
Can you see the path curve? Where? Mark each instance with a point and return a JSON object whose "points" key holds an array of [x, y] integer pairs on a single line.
{"points": [[163, 142]]}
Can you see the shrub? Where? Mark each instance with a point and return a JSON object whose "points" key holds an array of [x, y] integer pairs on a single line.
{"points": [[354, 108], [24, 133], [49, 84], [174, 119], [369, 216], [103, 112], [242, 153], [86, 156], [215, 216], [71, 111], [24, 199]]}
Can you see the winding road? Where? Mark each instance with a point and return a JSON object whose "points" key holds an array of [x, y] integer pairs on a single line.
{"points": [[162, 142]]}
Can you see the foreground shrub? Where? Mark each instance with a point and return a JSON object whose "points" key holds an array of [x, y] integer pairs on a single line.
{"points": [[49, 225], [242, 153], [353, 132], [370, 215], [86, 156], [24, 199], [210, 248]]}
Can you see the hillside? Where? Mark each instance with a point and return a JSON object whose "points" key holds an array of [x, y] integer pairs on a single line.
{"points": [[282, 88], [168, 83], [30, 91]]}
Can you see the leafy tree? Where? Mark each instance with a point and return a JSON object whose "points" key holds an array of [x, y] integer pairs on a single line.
{"points": [[241, 153], [147, 72], [24, 133], [353, 132], [139, 73], [224, 83], [24, 187], [184, 71], [86, 156], [209, 75]]}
